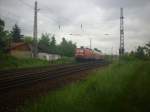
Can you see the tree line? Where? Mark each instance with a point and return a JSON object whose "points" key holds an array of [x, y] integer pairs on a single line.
{"points": [[142, 52], [6, 37], [47, 43]]}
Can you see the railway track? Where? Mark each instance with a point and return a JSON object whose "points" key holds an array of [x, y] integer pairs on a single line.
{"points": [[10, 80]]}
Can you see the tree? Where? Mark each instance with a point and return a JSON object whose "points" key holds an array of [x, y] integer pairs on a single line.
{"points": [[71, 49], [147, 49], [28, 39], [2, 43], [140, 52], [44, 43], [53, 41], [53, 44], [62, 47], [16, 33], [2, 25], [67, 48], [4, 37], [48, 44]]}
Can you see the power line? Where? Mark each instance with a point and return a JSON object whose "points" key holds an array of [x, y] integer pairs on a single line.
{"points": [[26, 4], [8, 18]]}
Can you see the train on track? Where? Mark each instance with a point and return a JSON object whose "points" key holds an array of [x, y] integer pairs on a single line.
{"points": [[86, 54]]}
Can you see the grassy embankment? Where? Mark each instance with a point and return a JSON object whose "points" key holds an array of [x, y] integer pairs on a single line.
{"points": [[9, 62], [122, 87]]}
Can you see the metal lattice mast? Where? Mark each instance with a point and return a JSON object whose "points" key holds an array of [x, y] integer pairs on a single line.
{"points": [[121, 49]]}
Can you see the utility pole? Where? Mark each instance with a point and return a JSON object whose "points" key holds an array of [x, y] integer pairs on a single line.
{"points": [[121, 49], [35, 44]]}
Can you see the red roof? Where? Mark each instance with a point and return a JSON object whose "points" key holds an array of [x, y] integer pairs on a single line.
{"points": [[20, 46]]}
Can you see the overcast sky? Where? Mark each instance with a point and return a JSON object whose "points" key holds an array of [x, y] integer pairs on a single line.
{"points": [[98, 17]]}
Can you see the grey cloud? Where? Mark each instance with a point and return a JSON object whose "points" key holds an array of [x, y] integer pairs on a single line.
{"points": [[121, 3]]}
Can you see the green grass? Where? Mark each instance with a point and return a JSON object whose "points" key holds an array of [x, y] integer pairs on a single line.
{"points": [[121, 87], [10, 62]]}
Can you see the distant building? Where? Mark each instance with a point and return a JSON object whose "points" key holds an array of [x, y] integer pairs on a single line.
{"points": [[24, 50], [48, 57], [20, 50]]}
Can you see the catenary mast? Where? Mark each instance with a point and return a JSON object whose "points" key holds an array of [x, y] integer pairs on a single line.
{"points": [[121, 49]]}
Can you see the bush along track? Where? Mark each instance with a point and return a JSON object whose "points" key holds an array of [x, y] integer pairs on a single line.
{"points": [[120, 87]]}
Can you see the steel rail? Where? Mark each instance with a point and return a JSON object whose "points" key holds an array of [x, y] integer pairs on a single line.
{"points": [[10, 83]]}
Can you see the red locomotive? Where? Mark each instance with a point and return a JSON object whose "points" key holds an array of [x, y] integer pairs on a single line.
{"points": [[88, 54]]}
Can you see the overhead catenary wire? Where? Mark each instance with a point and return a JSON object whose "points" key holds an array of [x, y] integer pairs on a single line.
{"points": [[52, 17], [26, 4], [43, 9]]}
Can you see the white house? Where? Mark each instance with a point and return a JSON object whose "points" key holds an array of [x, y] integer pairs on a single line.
{"points": [[48, 57]]}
